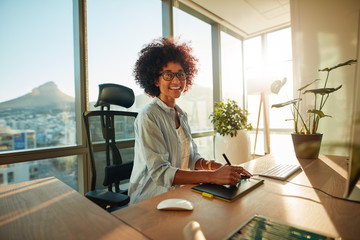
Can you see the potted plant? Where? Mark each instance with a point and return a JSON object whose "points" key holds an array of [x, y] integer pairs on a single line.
{"points": [[306, 139], [230, 123]]}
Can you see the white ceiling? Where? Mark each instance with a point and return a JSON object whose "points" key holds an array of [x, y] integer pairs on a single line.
{"points": [[251, 17]]}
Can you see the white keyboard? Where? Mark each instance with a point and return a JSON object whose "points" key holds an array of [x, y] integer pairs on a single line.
{"points": [[281, 171]]}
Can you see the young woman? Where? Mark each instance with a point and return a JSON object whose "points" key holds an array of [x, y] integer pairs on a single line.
{"points": [[165, 154]]}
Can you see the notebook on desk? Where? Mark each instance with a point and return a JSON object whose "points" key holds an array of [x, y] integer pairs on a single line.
{"points": [[228, 192]]}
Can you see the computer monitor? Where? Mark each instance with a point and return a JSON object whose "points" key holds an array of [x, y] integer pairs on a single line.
{"points": [[352, 192]]}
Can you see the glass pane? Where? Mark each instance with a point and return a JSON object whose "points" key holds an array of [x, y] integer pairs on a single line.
{"points": [[280, 64], [205, 147], [279, 46], [253, 106], [37, 74], [124, 128], [252, 52], [279, 116], [127, 154], [267, 64], [231, 63], [198, 101], [282, 144], [64, 168], [117, 30], [260, 147], [253, 58]]}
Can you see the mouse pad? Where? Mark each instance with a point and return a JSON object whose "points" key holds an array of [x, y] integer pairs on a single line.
{"points": [[228, 192]]}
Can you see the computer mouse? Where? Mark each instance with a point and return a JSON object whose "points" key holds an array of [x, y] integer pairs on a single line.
{"points": [[175, 204]]}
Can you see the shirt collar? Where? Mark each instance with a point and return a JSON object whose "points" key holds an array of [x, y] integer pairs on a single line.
{"points": [[165, 107]]}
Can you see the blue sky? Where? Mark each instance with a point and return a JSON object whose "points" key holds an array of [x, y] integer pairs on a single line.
{"points": [[31, 51], [36, 43]]}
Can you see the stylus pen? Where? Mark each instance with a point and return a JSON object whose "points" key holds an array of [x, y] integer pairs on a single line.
{"points": [[226, 159]]}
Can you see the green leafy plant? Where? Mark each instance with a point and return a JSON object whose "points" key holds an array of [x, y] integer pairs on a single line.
{"points": [[310, 124], [228, 118]]}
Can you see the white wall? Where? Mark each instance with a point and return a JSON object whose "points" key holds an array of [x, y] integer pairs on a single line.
{"points": [[325, 34]]}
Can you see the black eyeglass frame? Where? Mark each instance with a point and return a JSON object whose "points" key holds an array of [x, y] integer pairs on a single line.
{"points": [[173, 75]]}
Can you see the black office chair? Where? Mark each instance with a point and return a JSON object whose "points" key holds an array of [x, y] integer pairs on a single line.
{"points": [[103, 127]]}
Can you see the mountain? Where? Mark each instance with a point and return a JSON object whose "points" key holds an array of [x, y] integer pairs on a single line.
{"points": [[46, 95]]}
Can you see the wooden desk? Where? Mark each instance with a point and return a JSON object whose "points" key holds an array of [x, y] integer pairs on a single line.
{"points": [[296, 205], [49, 209]]}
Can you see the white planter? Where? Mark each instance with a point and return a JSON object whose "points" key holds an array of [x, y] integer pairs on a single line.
{"points": [[237, 149]]}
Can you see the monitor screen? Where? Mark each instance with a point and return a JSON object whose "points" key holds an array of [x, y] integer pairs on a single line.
{"points": [[354, 161]]}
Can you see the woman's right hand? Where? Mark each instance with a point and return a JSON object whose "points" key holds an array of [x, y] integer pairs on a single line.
{"points": [[228, 175]]}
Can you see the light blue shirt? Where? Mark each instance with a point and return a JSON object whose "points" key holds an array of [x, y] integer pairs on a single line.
{"points": [[158, 150]]}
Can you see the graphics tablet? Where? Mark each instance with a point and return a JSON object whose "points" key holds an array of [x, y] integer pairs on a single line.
{"points": [[228, 192]]}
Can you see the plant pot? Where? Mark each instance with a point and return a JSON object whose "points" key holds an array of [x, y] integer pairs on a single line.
{"points": [[237, 149], [307, 146]]}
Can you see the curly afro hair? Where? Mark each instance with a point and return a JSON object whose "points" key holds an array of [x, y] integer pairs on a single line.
{"points": [[156, 55]]}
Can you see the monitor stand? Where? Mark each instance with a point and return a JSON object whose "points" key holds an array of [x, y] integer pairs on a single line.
{"points": [[355, 194]]}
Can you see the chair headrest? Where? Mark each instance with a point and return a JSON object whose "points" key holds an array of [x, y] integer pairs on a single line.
{"points": [[110, 93]]}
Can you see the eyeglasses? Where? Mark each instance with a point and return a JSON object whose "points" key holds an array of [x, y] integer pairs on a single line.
{"points": [[169, 75]]}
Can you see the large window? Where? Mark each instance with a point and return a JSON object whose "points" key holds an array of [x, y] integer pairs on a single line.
{"points": [[198, 101], [279, 58], [117, 30], [63, 168], [268, 58], [231, 68], [37, 74], [37, 96]]}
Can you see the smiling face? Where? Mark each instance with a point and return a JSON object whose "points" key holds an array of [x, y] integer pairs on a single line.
{"points": [[170, 90]]}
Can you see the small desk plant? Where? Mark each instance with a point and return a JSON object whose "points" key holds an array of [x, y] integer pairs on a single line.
{"points": [[306, 138], [231, 124]]}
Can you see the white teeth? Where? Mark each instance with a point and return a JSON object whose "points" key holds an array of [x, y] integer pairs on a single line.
{"points": [[174, 88]]}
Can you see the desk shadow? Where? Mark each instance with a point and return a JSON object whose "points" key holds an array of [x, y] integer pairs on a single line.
{"points": [[323, 173]]}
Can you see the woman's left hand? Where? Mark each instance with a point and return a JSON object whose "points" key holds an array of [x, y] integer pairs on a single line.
{"points": [[243, 171], [229, 175]]}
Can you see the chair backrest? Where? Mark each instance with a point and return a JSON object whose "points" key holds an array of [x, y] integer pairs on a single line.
{"points": [[115, 94], [103, 127]]}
